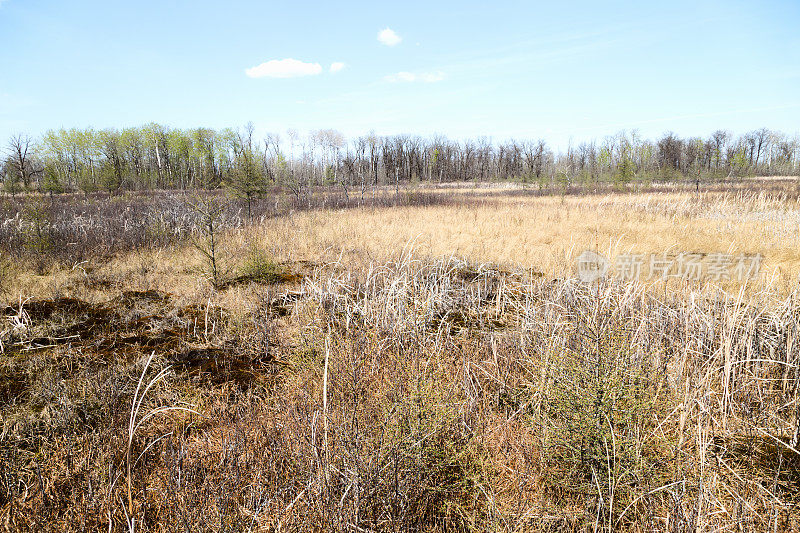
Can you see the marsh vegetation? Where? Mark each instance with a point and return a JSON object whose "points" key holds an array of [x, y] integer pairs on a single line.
{"points": [[422, 360]]}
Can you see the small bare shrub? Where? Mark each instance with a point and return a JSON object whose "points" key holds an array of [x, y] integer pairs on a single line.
{"points": [[207, 239]]}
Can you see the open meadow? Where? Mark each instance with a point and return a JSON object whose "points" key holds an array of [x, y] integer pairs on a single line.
{"points": [[422, 358], [372, 267]]}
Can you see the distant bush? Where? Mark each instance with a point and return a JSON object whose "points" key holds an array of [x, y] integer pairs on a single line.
{"points": [[260, 266]]}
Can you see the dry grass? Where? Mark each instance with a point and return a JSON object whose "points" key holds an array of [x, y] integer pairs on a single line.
{"points": [[540, 233], [414, 368]]}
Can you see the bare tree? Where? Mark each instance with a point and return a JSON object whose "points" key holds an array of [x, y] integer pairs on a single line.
{"points": [[20, 148], [762, 140], [719, 140]]}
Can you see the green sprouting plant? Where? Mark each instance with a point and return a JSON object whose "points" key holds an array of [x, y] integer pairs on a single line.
{"points": [[425, 442], [260, 266], [600, 400]]}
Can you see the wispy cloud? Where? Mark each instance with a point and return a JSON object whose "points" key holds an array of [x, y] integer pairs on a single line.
{"points": [[283, 68], [336, 66], [411, 77], [388, 37], [674, 118], [552, 48]]}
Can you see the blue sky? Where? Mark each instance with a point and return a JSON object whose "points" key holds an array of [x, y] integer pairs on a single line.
{"points": [[557, 70]]}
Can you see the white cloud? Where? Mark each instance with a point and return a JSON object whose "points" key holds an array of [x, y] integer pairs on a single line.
{"points": [[388, 37], [336, 66], [410, 77], [283, 68], [400, 76]]}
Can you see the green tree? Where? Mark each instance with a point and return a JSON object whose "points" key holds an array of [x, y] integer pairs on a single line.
{"points": [[113, 166], [51, 151], [204, 157], [51, 183], [625, 170], [739, 163], [12, 183], [247, 178]]}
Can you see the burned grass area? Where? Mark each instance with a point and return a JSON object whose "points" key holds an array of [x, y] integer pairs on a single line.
{"points": [[196, 338], [68, 371]]}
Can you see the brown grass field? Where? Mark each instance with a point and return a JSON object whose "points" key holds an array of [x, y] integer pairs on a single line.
{"points": [[426, 366]]}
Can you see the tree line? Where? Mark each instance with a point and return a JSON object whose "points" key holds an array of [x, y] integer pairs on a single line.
{"points": [[158, 157]]}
